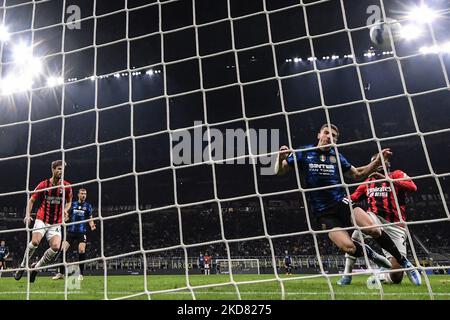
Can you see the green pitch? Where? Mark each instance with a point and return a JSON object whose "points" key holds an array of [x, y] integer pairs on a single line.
{"points": [[92, 287]]}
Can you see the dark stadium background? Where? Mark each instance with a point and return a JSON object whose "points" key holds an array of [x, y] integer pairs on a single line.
{"points": [[284, 213]]}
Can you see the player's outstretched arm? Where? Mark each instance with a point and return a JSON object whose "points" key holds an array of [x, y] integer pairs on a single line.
{"points": [[282, 166], [362, 173]]}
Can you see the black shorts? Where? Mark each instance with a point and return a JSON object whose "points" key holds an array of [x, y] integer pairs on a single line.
{"points": [[338, 216], [74, 238]]}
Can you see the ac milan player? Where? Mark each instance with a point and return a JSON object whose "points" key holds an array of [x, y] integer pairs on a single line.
{"points": [[53, 199], [382, 209]]}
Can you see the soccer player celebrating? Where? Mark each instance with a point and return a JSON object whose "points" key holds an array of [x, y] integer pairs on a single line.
{"points": [[53, 198], [319, 168], [4, 253], [382, 209], [76, 233], [287, 263]]}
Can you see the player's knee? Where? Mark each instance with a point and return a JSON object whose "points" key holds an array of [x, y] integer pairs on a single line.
{"points": [[55, 246], [35, 242]]}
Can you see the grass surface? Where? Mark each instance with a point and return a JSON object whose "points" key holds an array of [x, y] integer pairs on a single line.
{"points": [[267, 288]]}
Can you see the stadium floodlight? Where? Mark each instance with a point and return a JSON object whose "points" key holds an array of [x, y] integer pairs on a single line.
{"points": [[4, 34], [296, 60], [334, 57], [150, 72], [22, 53], [410, 32], [117, 75], [55, 81], [12, 84], [422, 14], [34, 67]]}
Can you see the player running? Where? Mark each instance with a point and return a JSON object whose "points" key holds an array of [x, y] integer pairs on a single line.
{"points": [[320, 167], [76, 233], [54, 200], [382, 209]]}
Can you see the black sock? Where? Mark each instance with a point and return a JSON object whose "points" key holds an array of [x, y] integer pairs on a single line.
{"points": [[81, 257], [359, 250], [387, 244]]}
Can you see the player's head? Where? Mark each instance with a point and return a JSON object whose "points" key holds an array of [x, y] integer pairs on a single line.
{"points": [[380, 168], [325, 134], [57, 168], [82, 194], [2, 243]]}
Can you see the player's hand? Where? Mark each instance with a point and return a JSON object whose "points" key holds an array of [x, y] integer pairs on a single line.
{"points": [[284, 152], [27, 220], [66, 215], [93, 227], [386, 155]]}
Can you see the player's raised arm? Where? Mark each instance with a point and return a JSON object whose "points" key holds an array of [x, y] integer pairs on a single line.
{"points": [[282, 166], [361, 173]]}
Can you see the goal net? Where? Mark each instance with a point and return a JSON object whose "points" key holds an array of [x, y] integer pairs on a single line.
{"points": [[171, 115], [239, 266]]}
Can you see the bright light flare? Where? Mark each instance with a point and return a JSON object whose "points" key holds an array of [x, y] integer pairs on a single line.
{"points": [[422, 14], [12, 84], [22, 53], [55, 81], [410, 32], [4, 34]]}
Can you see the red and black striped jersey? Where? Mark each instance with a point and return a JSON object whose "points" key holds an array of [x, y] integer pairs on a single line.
{"points": [[51, 201], [380, 198]]}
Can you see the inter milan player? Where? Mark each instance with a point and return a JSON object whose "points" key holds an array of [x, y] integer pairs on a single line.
{"points": [[76, 233], [319, 167], [382, 209], [54, 199], [287, 263], [4, 253]]}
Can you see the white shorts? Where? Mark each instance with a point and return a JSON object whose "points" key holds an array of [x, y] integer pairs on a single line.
{"points": [[46, 229], [206, 265], [397, 234]]}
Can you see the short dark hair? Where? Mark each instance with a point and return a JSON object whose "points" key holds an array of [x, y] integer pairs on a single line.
{"points": [[332, 126], [57, 163], [82, 189]]}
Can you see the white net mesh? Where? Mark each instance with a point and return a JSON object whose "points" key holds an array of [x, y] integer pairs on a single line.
{"points": [[121, 81]]}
